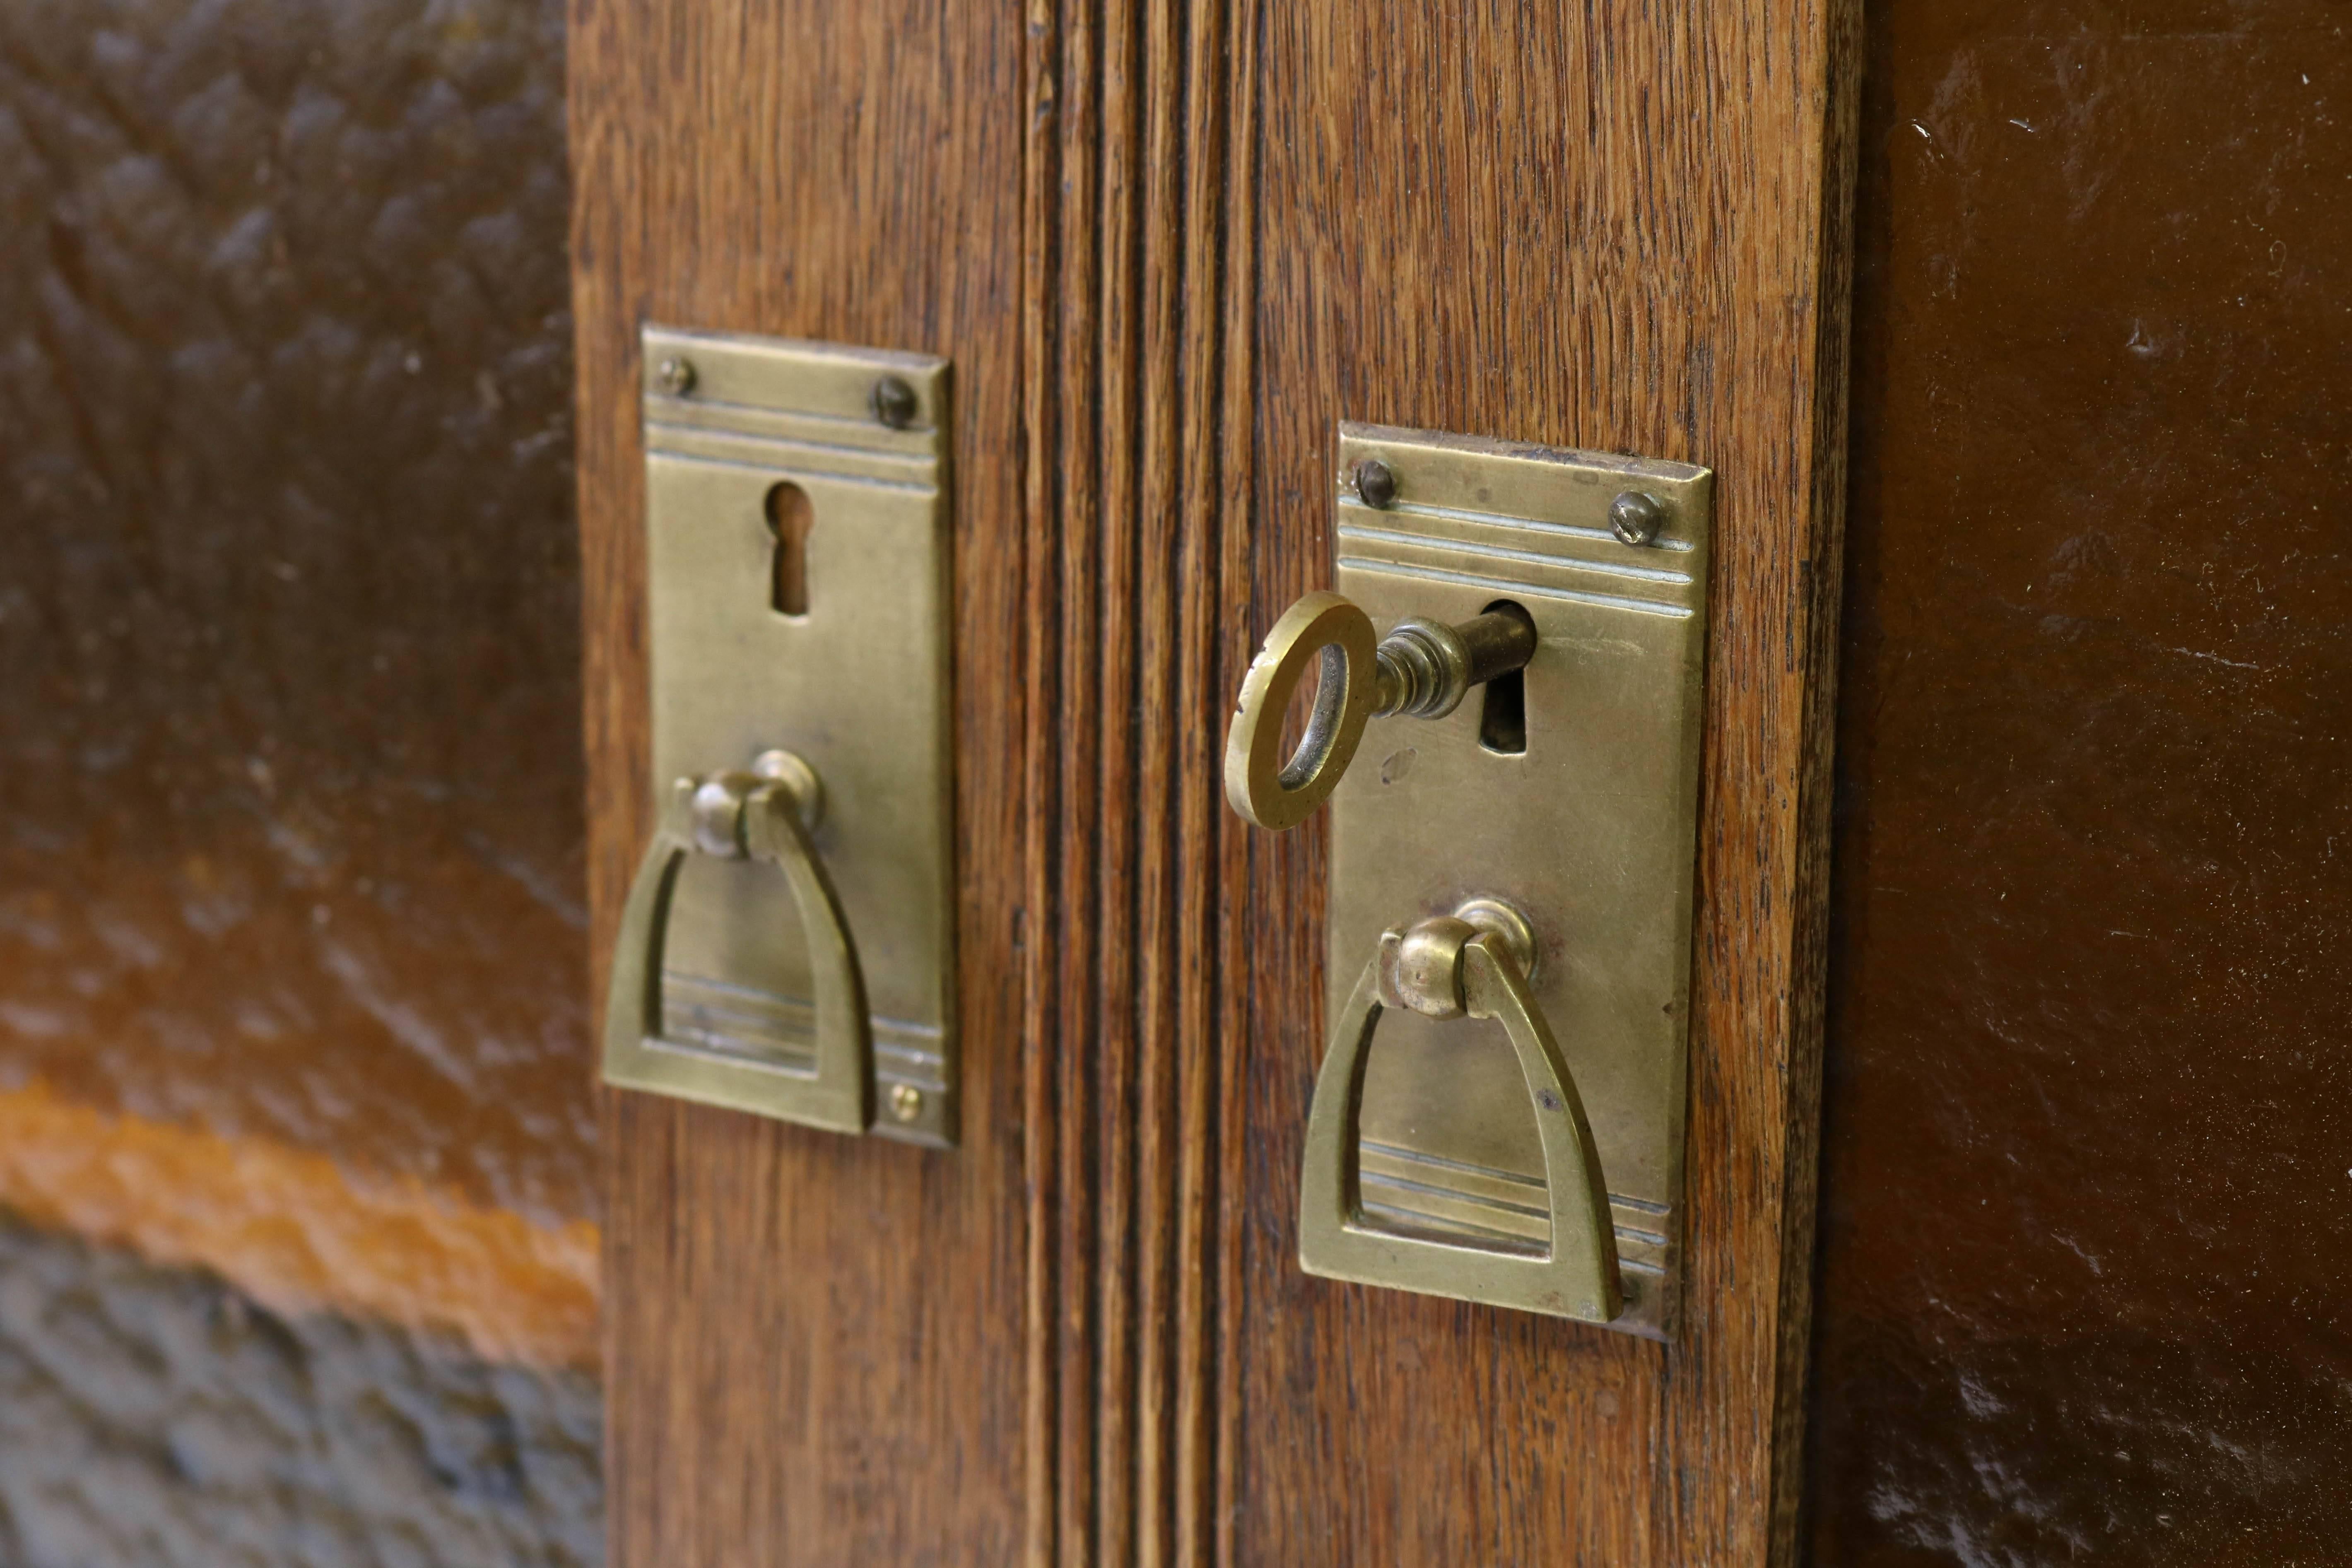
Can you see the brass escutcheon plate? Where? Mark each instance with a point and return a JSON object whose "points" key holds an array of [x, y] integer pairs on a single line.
{"points": [[853, 678], [1591, 830]]}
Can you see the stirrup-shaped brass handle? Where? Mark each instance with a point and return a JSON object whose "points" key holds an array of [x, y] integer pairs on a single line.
{"points": [[1454, 966], [763, 816], [1423, 669]]}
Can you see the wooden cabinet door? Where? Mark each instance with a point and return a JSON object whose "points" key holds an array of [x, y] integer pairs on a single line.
{"points": [[1168, 247]]}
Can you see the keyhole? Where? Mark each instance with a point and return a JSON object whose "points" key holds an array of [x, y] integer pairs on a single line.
{"points": [[790, 519], [1503, 715], [1502, 709]]}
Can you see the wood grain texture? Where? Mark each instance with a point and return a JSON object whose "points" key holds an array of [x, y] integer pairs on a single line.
{"points": [[1131, 420], [810, 1340], [1615, 228], [1171, 243], [1821, 617], [1625, 233]]}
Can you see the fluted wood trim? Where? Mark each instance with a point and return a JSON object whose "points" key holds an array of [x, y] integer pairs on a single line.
{"points": [[1129, 317]]}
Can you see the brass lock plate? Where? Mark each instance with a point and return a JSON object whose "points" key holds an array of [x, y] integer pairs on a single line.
{"points": [[797, 567], [1569, 791]]}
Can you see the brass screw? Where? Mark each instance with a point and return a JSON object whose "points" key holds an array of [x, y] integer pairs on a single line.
{"points": [[1376, 482], [894, 403], [676, 376], [905, 1101], [1635, 518]]}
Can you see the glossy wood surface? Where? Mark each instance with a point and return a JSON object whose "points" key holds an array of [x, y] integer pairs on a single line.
{"points": [[2086, 1235], [1170, 245]]}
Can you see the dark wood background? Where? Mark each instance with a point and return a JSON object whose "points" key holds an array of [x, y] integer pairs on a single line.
{"points": [[1168, 247], [2087, 1214]]}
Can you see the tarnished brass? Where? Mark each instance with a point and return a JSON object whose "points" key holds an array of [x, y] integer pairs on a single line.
{"points": [[1422, 669], [1577, 808], [797, 622], [1324, 633], [1449, 967], [742, 816]]}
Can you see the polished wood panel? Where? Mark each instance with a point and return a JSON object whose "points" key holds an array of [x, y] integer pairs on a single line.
{"points": [[2087, 1006], [1625, 233], [1621, 229], [811, 1339], [1139, 420], [1189, 237]]}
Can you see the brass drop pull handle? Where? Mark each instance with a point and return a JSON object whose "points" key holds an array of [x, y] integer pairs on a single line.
{"points": [[1423, 669], [765, 815], [1473, 963]]}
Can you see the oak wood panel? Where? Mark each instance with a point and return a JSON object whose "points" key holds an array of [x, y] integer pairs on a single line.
{"points": [[811, 1339], [1618, 227], [1621, 233], [1235, 226], [1138, 430]]}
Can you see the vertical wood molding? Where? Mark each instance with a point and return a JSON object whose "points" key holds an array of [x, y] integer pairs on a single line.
{"points": [[1042, 493], [1818, 613], [1136, 413]]}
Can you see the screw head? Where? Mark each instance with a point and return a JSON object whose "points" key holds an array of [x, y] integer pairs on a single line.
{"points": [[905, 1102], [676, 375], [1635, 518], [894, 403], [1376, 483]]}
